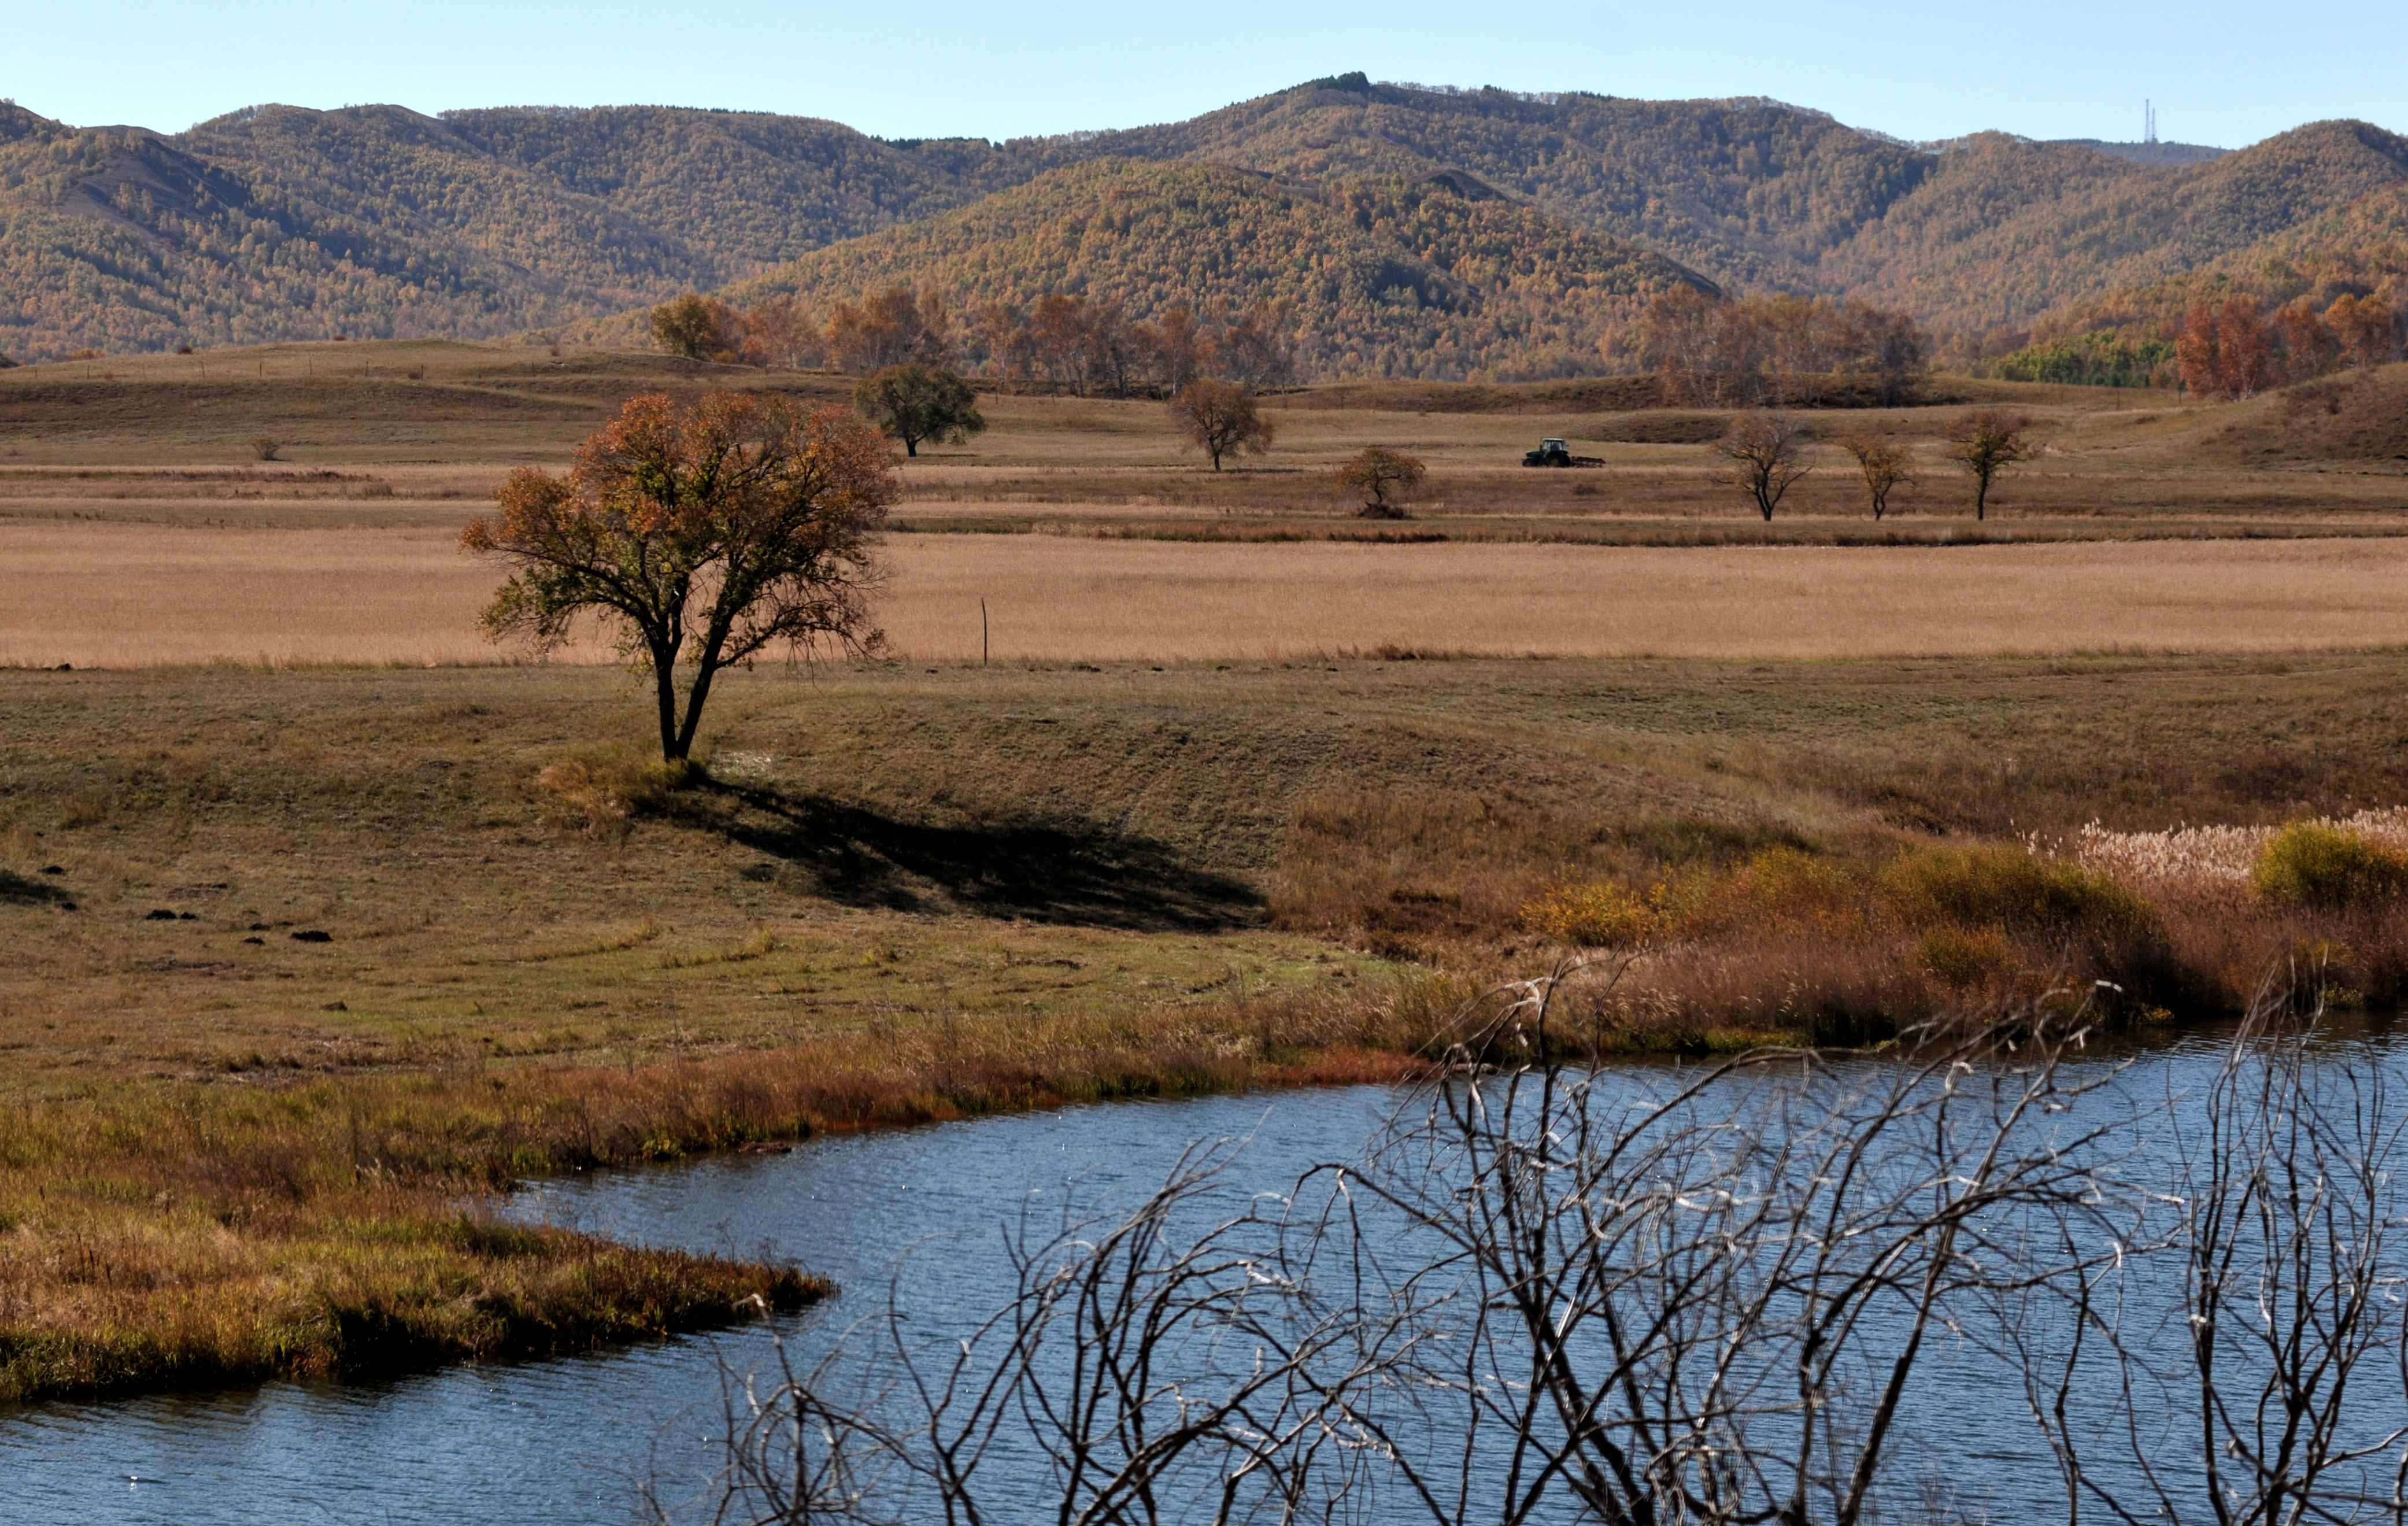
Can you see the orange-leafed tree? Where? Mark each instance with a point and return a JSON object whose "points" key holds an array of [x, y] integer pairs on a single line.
{"points": [[892, 327], [702, 535], [2366, 328], [2226, 349], [2310, 348], [779, 332], [1174, 345], [1257, 348], [1677, 341]]}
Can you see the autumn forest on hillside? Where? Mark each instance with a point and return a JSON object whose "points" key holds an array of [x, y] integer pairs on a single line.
{"points": [[1386, 231]]}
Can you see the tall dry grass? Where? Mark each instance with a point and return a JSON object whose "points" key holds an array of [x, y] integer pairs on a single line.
{"points": [[210, 1236], [2210, 858]]}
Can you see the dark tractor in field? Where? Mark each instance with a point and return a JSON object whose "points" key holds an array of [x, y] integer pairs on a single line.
{"points": [[1554, 452]]}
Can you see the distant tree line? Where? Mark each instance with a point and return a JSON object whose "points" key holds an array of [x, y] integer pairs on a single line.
{"points": [[2228, 346], [1709, 351], [1060, 343], [2239, 346], [1712, 352], [2097, 359]]}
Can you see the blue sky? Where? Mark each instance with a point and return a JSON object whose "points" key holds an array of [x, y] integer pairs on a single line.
{"points": [[2220, 72]]}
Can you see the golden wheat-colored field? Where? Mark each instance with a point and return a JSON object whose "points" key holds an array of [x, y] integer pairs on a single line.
{"points": [[130, 596]]}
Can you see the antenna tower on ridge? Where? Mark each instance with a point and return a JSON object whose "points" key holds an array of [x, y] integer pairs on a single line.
{"points": [[2149, 120]]}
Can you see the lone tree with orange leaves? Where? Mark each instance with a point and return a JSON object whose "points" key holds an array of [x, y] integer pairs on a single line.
{"points": [[703, 533]]}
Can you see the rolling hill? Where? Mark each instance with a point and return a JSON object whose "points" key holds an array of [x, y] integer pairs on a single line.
{"points": [[1439, 277], [278, 222]]}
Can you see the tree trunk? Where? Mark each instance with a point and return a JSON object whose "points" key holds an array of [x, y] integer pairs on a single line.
{"points": [[693, 698], [910, 446], [665, 691]]}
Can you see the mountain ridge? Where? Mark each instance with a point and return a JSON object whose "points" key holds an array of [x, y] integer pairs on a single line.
{"points": [[277, 222]]}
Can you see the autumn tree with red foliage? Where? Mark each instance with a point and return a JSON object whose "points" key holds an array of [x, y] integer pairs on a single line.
{"points": [[2308, 345], [1718, 354], [705, 533], [780, 332], [1174, 347], [2227, 349]]}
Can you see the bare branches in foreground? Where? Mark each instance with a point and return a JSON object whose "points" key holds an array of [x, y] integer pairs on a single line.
{"points": [[1741, 1292]]}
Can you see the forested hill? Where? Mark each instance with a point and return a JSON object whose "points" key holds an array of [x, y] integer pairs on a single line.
{"points": [[1438, 277], [1986, 231], [278, 222], [2003, 232], [284, 222]]}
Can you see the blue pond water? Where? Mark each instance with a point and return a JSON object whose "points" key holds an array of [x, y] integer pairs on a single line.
{"points": [[568, 1442], [575, 1442]]}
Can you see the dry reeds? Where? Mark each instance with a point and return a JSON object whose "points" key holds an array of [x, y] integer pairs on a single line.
{"points": [[235, 1236], [2207, 857]]}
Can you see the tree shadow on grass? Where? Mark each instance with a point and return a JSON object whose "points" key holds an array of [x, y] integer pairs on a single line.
{"points": [[17, 890], [1082, 875]]}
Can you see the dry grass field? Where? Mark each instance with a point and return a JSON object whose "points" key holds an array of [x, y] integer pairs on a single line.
{"points": [[313, 937], [115, 595], [141, 527]]}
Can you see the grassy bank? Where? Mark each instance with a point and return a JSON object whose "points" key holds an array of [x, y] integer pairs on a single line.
{"points": [[310, 959], [200, 1236]]}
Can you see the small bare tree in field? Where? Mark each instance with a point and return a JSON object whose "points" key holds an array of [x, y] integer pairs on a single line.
{"points": [[1220, 418], [1766, 455], [267, 448], [1385, 481], [705, 532], [1987, 444], [1885, 465]]}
